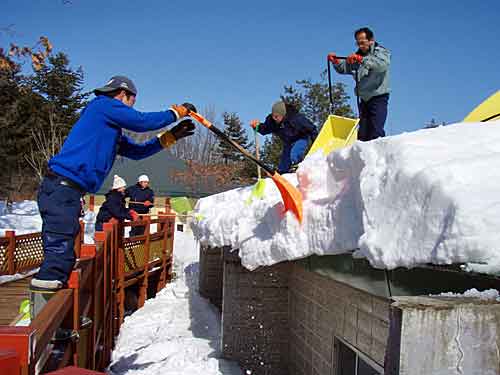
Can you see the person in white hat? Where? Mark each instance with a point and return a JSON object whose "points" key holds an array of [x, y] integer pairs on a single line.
{"points": [[114, 205], [142, 199]]}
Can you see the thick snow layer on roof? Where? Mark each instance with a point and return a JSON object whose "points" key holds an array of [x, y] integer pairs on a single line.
{"points": [[430, 196], [488, 294]]}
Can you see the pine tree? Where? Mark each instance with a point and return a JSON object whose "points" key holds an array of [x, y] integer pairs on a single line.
{"points": [[271, 151], [312, 99], [62, 87], [233, 128], [28, 103]]}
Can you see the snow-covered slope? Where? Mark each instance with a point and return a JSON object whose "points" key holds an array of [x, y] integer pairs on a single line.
{"points": [[177, 332], [431, 196]]}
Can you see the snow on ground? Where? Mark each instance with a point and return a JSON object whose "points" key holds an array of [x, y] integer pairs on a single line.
{"points": [[23, 217], [177, 332], [429, 196], [17, 276]]}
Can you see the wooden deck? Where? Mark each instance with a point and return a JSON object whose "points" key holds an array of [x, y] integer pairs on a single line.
{"points": [[11, 296]]}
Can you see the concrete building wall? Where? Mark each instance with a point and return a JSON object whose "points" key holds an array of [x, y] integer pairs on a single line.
{"points": [[320, 309], [447, 336], [285, 319], [255, 316], [211, 274]]}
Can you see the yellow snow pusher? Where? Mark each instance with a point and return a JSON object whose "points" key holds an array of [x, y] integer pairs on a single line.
{"points": [[489, 110], [337, 131]]}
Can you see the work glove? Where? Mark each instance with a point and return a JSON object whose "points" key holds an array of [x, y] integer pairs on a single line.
{"points": [[333, 59], [147, 203], [354, 58], [183, 109], [255, 124], [134, 215], [183, 129]]}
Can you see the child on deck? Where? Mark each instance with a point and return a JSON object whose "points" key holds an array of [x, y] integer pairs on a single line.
{"points": [[114, 205]]}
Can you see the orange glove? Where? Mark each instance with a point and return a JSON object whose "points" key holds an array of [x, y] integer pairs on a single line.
{"points": [[147, 203], [182, 110], [354, 58], [255, 124], [333, 58], [135, 215]]}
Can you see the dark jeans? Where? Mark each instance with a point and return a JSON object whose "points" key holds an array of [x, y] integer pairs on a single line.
{"points": [[373, 114], [60, 209], [293, 153]]}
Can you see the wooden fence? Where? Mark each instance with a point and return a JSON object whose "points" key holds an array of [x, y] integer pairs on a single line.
{"points": [[91, 310]]}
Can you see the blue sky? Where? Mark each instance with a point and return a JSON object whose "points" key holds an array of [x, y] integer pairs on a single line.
{"points": [[237, 55]]}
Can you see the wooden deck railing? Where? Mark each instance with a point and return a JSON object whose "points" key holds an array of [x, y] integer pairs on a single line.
{"points": [[91, 310]]}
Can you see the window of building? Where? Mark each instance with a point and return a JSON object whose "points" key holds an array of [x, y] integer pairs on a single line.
{"points": [[351, 361]]}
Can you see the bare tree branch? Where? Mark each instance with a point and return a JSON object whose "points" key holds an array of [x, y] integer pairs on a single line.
{"points": [[44, 148]]}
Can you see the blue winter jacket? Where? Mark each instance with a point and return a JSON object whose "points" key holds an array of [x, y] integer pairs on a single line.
{"points": [[137, 194], [113, 207], [294, 126], [96, 138]]}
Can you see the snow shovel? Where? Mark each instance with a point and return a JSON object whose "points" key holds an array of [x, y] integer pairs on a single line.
{"points": [[260, 187], [292, 198]]}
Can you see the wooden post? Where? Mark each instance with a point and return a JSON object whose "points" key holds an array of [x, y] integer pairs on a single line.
{"points": [[11, 252], [121, 286], [9, 361], [168, 207], [91, 202], [74, 283], [170, 246], [108, 300], [22, 341], [143, 292], [163, 275]]}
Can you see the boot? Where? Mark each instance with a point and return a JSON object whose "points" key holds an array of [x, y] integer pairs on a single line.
{"points": [[41, 291]]}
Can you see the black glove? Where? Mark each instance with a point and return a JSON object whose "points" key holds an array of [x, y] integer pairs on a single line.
{"points": [[185, 128], [190, 106]]}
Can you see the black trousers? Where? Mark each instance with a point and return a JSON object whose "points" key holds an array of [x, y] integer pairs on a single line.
{"points": [[373, 114]]}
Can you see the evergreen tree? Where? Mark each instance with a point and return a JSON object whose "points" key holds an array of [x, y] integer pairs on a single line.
{"points": [[62, 87], [312, 99], [271, 151], [30, 106], [233, 128]]}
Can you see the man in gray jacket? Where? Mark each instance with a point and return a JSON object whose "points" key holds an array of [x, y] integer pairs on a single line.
{"points": [[369, 66]]}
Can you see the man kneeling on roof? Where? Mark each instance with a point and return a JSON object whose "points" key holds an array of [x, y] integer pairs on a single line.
{"points": [[294, 129], [85, 160]]}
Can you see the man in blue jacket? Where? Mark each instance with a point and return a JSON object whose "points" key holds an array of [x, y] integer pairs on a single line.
{"points": [[294, 129], [85, 160], [370, 67], [145, 198]]}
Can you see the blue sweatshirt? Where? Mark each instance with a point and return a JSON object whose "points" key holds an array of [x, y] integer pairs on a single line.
{"points": [[90, 149]]}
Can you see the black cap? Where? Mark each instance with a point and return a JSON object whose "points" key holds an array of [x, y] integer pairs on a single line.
{"points": [[115, 83]]}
